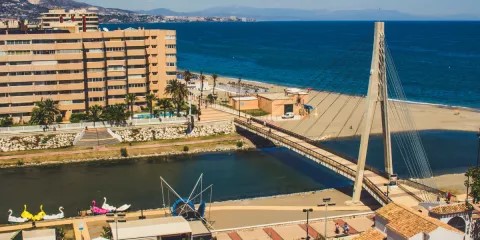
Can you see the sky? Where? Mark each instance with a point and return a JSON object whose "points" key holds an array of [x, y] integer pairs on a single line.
{"points": [[419, 7]]}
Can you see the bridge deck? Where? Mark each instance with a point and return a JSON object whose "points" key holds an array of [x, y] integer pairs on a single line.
{"points": [[324, 157]]}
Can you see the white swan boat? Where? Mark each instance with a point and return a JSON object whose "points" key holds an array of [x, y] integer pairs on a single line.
{"points": [[13, 219], [55, 216], [110, 208]]}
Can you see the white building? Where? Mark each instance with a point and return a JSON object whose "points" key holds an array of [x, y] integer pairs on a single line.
{"points": [[86, 21], [397, 222]]}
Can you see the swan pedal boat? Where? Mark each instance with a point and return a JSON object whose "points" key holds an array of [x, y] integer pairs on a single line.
{"points": [[13, 219], [55, 216], [110, 208]]}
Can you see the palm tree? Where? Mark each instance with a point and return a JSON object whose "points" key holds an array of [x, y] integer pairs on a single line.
{"points": [[214, 76], [187, 75], [44, 112], [115, 114], [211, 98], [165, 105], [94, 113], [150, 98], [178, 91], [130, 101]]}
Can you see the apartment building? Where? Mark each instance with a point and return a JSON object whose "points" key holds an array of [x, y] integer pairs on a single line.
{"points": [[78, 70], [81, 20]]}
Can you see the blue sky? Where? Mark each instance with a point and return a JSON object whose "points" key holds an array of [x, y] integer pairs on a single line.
{"points": [[421, 7]]}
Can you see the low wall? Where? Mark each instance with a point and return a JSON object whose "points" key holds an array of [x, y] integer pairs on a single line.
{"points": [[35, 142]]}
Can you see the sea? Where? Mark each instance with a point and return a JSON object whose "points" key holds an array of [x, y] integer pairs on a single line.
{"points": [[438, 62]]}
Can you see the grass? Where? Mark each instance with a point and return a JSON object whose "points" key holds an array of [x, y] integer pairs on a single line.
{"points": [[114, 152]]}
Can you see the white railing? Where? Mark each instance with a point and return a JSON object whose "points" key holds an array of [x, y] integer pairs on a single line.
{"points": [[78, 137], [82, 125], [114, 135]]}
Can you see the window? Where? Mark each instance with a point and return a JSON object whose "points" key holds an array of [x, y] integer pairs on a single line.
{"points": [[170, 64], [95, 80], [18, 53], [69, 51], [69, 71], [116, 68], [96, 89], [95, 50], [170, 37], [116, 78], [44, 52], [137, 85], [136, 66], [43, 41], [20, 63], [171, 73], [96, 99], [115, 49], [171, 46], [171, 55], [116, 87], [17, 42], [68, 41]]}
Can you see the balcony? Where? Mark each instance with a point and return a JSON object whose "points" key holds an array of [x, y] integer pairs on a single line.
{"points": [[135, 43], [116, 54], [137, 80], [69, 56], [94, 45], [116, 73], [9, 110], [136, 52], [137, 89], [96, 94], [70, 66], [117, 83], [95, 55], [136, 71], [72, 106], [137, 62], [115, 44], [68, 46], [69, 76], [95, 65], [96, 84], [117, 92], [116, 62]]}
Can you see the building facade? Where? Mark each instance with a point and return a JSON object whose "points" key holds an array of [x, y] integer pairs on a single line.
{"points": [[82, 19], [78, 70]]}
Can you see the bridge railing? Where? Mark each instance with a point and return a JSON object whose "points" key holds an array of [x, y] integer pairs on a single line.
{"points": [[340, 167], [315, 143]]}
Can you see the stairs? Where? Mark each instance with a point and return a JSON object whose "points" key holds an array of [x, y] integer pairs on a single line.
{"points": [[96, 137]]}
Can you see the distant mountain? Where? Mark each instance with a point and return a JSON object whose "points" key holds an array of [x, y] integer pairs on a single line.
{"points": [[285, 14]]}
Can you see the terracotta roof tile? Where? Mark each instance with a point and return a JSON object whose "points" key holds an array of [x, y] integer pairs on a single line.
{"points": [[371, 234], [450, 208], [407, 222]]}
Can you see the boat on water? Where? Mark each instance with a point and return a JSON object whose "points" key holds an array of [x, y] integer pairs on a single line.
{"points": [[122, 208], [98, 210], [13, 219], [55, 216]]}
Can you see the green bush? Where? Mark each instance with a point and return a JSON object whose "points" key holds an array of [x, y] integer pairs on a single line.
{"points": [[59, 118], [123, 152], [20, 163], [239, 144], [186, 148], [6, 122], [78, 117]]}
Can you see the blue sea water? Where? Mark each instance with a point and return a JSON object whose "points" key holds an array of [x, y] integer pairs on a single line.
{"points": [[438, 62]]}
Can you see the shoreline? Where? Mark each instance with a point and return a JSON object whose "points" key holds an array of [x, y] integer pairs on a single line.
{"points": [[283, 85]]}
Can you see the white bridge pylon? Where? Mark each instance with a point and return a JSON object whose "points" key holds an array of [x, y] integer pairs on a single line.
{"points": [[377, 93]]}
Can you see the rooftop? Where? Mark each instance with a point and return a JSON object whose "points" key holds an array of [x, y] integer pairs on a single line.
{"points": [[42, 234], [371, 234], [407, 222], [274, 96], [152, 228], [198, 228], [246, 98], [449, 209]]}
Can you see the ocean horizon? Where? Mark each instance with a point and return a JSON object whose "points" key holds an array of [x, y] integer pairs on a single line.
{"points": [[437, 61]]}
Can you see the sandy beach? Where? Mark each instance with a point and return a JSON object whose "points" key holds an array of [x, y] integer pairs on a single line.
{"points": [[341, 115]]}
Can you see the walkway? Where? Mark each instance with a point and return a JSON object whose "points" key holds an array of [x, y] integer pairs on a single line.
{"points": [[374, 183], [96, 137]]}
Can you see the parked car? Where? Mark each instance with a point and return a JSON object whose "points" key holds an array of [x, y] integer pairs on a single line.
{"points": [[288, 115]]}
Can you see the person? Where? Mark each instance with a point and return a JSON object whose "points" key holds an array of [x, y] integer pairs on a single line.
{"points": [[346, 228], [337, 228], [449, 196]]}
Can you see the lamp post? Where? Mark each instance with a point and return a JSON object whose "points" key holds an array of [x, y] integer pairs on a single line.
{"points": [[308, 211], [388, 187], [117, 217], [326, 202], [239, 93]]}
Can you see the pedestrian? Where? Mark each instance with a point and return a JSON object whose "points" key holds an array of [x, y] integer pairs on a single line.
{"points": [[449, 196], [265, 123], [346, 228], [337, 228]]}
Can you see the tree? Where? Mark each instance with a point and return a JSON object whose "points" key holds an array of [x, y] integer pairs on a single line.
{"points": [[130, 101], [214, 76], [211, 98], [6, 122], [473, 183], [44, 112], [115, 114], [178, 91], [187, 75], [94, 113], [165, 105], [78, 117], [150, 98]]}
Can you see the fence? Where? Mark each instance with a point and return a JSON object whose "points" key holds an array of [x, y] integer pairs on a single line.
{"points": [[82, 125]]}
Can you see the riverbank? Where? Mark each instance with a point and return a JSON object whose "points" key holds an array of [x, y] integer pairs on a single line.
{"points": [[217, 143], [341, 115]]}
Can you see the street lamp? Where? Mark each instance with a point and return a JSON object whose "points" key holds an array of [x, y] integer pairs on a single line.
{"points": [[388, 187], [326, 202], [117, 217], [239, 92], [308, 211]]}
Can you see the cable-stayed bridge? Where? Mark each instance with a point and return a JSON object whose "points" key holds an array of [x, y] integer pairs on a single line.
{"points": [[376, 107]]}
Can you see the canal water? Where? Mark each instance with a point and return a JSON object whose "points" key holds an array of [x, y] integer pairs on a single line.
{"points": [[235, 175]]}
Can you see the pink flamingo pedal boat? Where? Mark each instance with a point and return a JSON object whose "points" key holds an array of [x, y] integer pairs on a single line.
{"points": [[96, 210]]}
